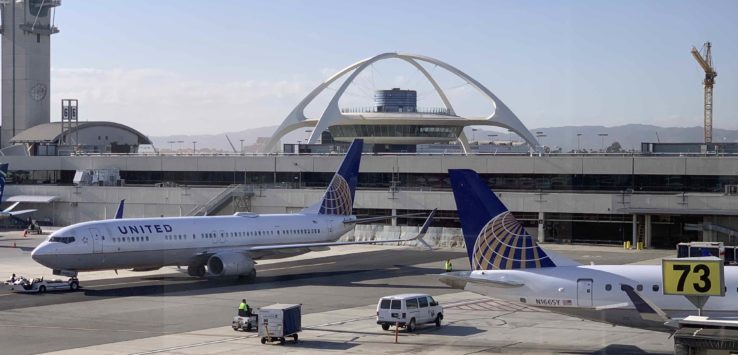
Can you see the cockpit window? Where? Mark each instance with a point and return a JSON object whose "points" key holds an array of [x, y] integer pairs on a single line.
{"points": [[65, 240]]}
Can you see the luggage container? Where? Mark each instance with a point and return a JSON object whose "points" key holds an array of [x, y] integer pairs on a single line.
{"points": [[279, 321]]}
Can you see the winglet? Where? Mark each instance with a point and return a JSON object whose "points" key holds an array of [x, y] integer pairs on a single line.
{"points": [[424, 229], [648, 310], [119, 212]]}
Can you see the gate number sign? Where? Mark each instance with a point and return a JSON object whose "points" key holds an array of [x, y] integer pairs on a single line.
{"points": [[693, 276]]}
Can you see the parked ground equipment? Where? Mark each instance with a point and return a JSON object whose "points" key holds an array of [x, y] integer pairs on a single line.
{"points": [[279, 321]]}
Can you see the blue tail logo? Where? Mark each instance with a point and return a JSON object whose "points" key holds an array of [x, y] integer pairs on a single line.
{"points": [[339, 197], [494, 238], [3, 176]]}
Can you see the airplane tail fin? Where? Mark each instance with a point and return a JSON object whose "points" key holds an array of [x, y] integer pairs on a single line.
{"points": [[3, 176], [339, 196], [494, 238], [119, 211]]}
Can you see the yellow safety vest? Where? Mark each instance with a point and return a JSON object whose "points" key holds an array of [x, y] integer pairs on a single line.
{"points": [[448, 266], [242, 306]]}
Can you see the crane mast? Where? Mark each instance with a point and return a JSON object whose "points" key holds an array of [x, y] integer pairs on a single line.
{"points": [[706, 63]]}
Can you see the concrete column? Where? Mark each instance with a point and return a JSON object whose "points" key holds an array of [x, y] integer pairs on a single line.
{"points": [[541, 222], [394, 219], [647, 236], [635, 231]]}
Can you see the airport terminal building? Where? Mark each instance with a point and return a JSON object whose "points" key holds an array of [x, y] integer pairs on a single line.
{"points": [[658, 199]]}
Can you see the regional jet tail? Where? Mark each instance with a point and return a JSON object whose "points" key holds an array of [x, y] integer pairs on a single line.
{"points": [[8, 212], [213, 245], [508, 263]]}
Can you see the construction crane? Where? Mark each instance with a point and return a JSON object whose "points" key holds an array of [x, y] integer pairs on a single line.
{"points": [[705, 61]]}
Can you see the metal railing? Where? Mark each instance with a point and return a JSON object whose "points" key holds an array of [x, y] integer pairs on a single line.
{"points": [[373, 109], [219, 199]]}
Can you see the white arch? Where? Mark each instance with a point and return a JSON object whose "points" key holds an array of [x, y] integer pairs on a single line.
{"points": [[502, 116]]}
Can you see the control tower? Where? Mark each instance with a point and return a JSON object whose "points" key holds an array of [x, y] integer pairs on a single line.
{"points": [[27, 26]]}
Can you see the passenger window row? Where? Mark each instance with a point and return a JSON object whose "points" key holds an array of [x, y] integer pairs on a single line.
{"points": [[654, 288], [259, 233], [68, 240], [130, 239], [175, 237]]}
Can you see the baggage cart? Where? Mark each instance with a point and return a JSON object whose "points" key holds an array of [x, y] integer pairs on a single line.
{"points": [[279, 321]]}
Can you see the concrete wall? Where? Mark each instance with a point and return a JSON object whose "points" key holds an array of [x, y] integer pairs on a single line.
{"points": [[500, 164], [77, 204], [436, 237]]}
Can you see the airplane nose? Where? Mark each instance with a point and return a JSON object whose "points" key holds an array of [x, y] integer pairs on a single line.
{"points": [[38, 254]]}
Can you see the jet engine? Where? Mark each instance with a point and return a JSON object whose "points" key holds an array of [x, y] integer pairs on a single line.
{"points": [[230, 264]]}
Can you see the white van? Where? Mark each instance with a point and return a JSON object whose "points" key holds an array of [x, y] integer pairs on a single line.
{"points": [[408, 310]]}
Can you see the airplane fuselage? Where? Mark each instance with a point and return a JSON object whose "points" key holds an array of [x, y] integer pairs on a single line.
{"points": [[155, 242], [594, 293]]}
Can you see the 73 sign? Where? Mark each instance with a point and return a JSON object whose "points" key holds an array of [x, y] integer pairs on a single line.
{"points": [[693, 276]]}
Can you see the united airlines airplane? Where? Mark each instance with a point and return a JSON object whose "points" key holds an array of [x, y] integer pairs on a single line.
{"points": [[508, 264], [216, 245]]}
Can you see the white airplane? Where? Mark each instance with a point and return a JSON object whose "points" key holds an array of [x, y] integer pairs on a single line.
{"points": [[507, 263], [8, 212], [226, 245]]}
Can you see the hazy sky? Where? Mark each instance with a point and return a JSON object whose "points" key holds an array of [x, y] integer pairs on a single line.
{"points": [[191, 67]]}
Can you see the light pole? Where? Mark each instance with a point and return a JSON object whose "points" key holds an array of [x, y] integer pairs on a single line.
{"points": [[242, 146], [194, 145], [579, 145], [603, 135], [171, 145]]}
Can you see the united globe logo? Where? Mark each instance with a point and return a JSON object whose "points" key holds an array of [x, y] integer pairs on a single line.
{"points": [[503, 243], [337, 199]]}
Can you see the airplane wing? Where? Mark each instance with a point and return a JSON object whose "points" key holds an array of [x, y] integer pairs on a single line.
{"points": [[460, 279], [312, 246], [11, 207], [647, 309], [381, 218], [16, 213]]}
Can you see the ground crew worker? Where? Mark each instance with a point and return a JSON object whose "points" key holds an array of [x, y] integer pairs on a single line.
{"points": [[448, 266], [243, 309]]}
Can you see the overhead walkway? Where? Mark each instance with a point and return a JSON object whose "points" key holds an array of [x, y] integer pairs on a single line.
{"points": [[229, 194]]}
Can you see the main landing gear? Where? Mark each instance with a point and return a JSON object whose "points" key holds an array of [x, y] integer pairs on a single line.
{"points": [[196, 270]]}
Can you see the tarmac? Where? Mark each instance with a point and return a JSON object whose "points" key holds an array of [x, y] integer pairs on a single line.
{"points": [[168, 312]]}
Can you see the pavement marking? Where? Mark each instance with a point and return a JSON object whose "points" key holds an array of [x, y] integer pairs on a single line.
{"points": [[339, 322], [297, 266], [188, 346], [121, 283], [194, 333], [84, 329]]}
